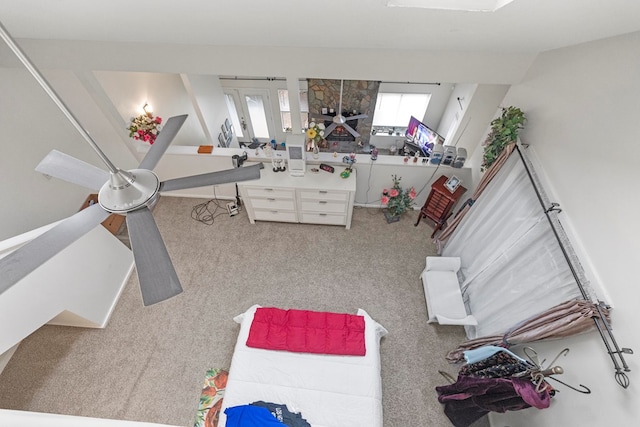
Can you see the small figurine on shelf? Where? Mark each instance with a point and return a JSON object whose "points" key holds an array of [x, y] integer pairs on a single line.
{"points": [[349, 160], [268, 150]]}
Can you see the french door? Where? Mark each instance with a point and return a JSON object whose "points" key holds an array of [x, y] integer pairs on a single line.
{"points": [[251, 115]]}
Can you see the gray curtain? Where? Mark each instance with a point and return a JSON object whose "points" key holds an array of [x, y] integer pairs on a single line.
{"points": [[566, 319]]}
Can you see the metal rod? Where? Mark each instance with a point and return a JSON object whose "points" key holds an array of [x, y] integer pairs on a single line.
{"points": [[53, 95], [620, 377]]}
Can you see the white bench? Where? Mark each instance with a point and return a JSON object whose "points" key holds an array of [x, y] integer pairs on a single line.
{"points": [[442, 292]]}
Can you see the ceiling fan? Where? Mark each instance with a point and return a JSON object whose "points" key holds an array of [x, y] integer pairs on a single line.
{"points": [[126, 192], [339, 119]]}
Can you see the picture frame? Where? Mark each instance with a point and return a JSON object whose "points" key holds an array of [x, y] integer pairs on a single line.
{"points": [[452, 184], [224, 130], [227, 124], [222, 140]]}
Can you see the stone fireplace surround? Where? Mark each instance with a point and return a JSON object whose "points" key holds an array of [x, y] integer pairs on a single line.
{"points": [[357, 95]]}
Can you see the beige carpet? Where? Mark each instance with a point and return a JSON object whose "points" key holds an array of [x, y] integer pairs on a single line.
{"points": [[148, 364]]}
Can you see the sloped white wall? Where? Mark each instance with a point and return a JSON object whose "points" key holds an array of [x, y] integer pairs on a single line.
{"points": [[582, 108], [165, 92], [31, 126]]}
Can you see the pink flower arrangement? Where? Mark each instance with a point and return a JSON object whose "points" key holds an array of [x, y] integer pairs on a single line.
{"points": [[145, 127], [397, 200]]}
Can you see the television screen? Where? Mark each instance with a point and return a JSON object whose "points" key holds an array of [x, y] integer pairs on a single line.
{"points": [[423, 136], [412, 128]]}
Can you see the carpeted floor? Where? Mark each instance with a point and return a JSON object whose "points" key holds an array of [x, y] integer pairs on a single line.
{"points": [[149, 362]]}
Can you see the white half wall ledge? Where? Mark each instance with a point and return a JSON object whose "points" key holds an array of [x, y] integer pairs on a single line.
{"points": [[79, 286], [29, 419]]}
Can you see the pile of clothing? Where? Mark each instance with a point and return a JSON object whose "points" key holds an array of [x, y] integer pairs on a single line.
{"points": [[493, 379], [263, 414]]}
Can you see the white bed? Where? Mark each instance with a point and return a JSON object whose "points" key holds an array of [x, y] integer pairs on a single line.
{"points": [[328, 390]]}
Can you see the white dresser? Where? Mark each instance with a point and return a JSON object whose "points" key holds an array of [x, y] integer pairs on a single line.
{"points": [[315, 198]]}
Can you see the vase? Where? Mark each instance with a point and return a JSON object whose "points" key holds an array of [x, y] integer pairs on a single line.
{"points": [[316, 151], [390, 217]]}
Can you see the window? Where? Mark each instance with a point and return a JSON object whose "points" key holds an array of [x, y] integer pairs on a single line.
{"points": [[285, 110], [394, 110]]}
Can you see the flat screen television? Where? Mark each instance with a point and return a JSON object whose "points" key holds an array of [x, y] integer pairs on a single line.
{"points": [[423, 136]]}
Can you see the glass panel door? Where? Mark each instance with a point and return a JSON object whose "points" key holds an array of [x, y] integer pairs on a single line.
{"points": [[258, 116], [250, 112]]}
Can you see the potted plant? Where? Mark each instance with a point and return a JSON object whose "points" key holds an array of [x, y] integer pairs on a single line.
{"points": [[397, 200], [504, 130]]}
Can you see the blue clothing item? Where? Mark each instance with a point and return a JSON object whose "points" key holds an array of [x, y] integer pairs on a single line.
{"points": [[481, 353], [250, 416]]}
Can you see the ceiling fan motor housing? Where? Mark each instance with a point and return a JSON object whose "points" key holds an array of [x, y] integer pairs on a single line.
{"points": [[129, 190]]}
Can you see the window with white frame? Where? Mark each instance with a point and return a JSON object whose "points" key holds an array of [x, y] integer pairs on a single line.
{"points": [[394, 110], [285, 110]]}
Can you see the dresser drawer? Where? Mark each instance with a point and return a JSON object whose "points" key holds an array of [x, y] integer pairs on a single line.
{"points": [[274, 193], [273, 203], [327, 206], [275, 215], [323, 218], [323, 195]]}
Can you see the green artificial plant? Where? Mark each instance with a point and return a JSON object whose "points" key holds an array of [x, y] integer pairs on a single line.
{"points": [[504, 130]]}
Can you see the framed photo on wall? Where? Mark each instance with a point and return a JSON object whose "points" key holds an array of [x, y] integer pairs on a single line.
{"points": [[452, 184]]}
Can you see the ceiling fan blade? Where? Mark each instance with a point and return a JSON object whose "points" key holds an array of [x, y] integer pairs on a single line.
{"points": [[70, 169], [329, 129], [164, 139], [357, 117], [213, 178], [156, 274], [30, 256], [351, 130], [321, 117]]}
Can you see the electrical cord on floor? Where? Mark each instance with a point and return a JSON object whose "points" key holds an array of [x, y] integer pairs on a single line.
{"points": [[207, 212]]}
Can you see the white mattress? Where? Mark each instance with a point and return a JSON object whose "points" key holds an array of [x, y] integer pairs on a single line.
{"points": [[328, 390]]}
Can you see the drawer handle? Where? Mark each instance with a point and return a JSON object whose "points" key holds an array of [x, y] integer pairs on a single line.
{"points": [[274, 212], [268, 189], [271, 199], [322, 214], [322, 191], [322, 202]]}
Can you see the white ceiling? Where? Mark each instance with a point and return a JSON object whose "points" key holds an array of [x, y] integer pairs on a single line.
{"points": [[523, 26]]}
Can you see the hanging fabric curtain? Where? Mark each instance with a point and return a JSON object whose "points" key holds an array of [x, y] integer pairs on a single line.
{"points": [[566, 319], [484, 181], [512, 265]]}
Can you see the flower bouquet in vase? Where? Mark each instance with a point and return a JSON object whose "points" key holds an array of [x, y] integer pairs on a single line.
{"points": [[315, 133], [145, 127], [397, 200]]}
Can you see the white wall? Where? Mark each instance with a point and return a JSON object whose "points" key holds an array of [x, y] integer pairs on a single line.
{"points": [[582, 108], [31, 126], [165, 92]]}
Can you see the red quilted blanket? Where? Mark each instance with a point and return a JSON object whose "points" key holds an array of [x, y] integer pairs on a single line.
{"points": [[306, 331]]}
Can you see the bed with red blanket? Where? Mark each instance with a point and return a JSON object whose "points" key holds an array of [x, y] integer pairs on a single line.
{"points": [[323, 366]]}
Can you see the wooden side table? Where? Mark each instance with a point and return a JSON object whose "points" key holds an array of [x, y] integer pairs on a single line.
{"points": [[439, 203]]}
